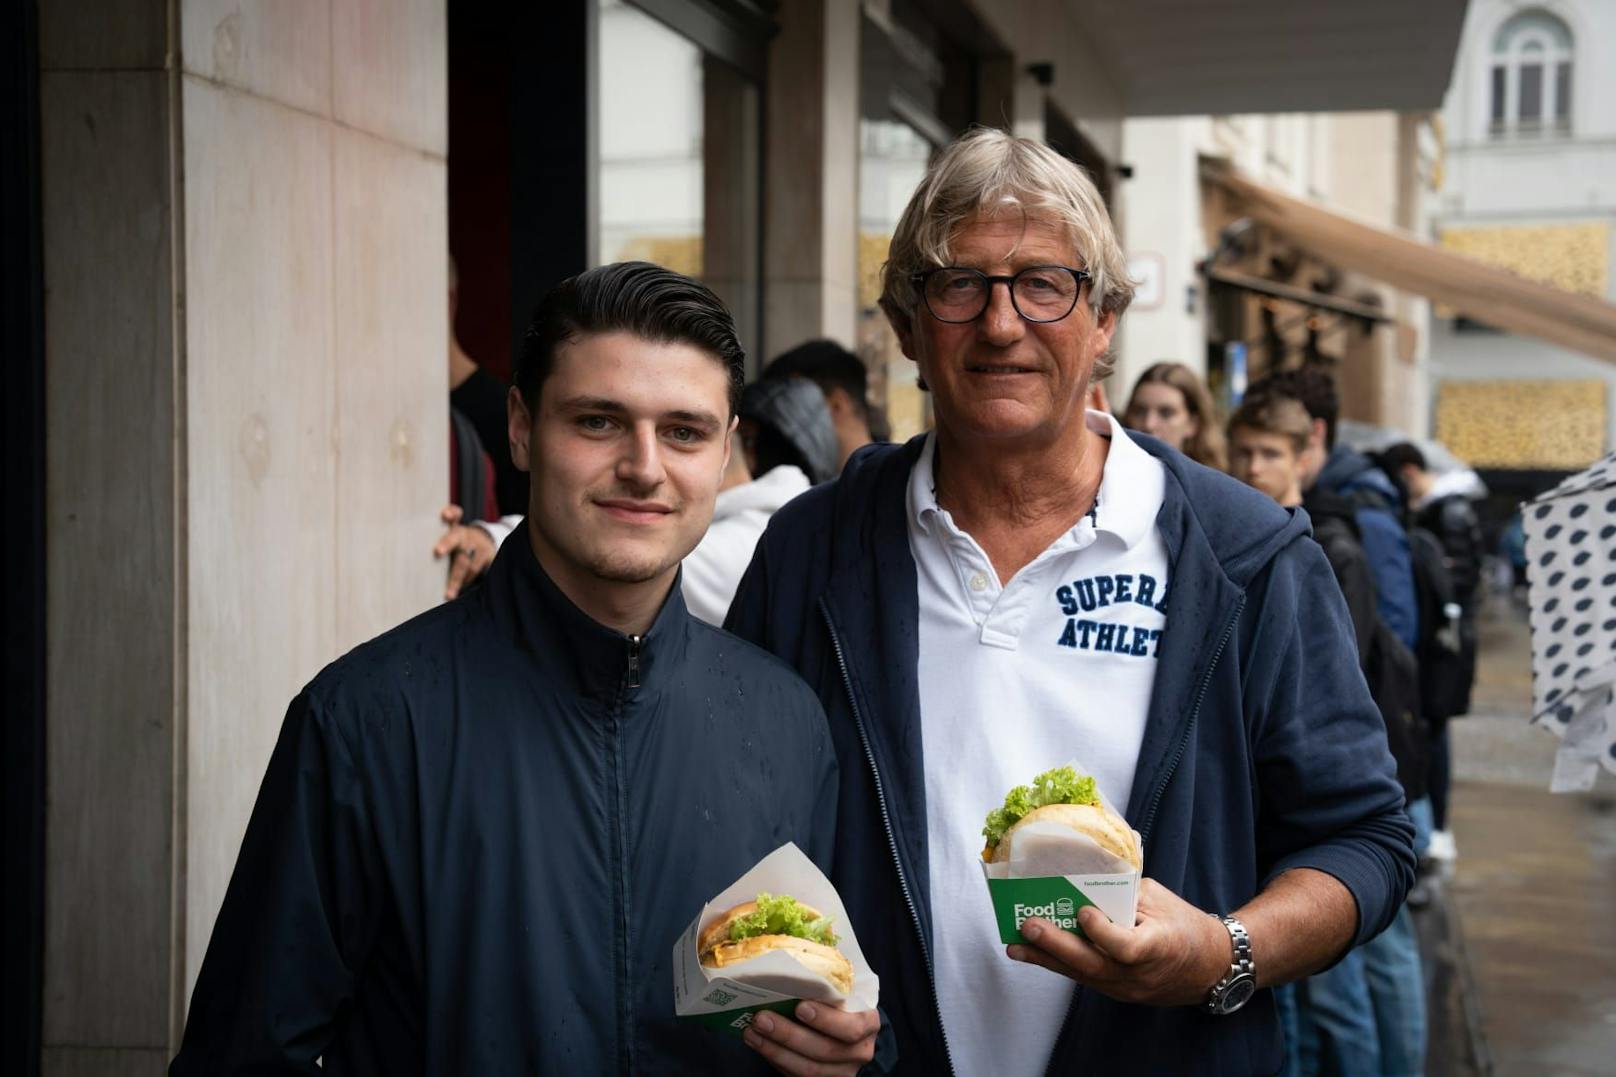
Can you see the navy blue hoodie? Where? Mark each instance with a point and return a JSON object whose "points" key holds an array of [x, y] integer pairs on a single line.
{"points": [[481, 834], [1262, 751]]}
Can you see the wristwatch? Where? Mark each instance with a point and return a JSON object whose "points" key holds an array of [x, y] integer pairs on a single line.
{"points": [[1240, 982]]}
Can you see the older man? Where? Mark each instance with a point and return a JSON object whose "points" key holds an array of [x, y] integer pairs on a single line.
{"points": [[1030, 584]]}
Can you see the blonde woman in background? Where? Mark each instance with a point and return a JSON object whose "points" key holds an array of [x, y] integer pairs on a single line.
{"points": [[1171, 403]]}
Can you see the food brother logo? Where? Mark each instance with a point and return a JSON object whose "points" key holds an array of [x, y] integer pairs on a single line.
{"points": [[1112, 592], [1060, 913]]}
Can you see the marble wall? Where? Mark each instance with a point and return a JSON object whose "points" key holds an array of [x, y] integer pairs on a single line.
{"points": [[245, 233]]}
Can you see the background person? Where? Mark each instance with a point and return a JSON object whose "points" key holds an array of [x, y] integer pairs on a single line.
{"points": [[1171, 402], [1446, 513], [844, 380], [1366, 1014], [957, 605]]}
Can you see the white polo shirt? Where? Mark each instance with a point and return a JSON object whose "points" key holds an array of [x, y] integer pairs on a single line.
{"points": [[1054, 666]]}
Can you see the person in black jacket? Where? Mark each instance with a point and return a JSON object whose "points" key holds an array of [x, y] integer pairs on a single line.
{"points": [[481, 834], [1366, 1014], [1449, 516]]}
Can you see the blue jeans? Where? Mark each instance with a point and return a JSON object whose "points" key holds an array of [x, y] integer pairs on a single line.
{"points": [[1336, 1021], [1391, 966], [1419, 811]]}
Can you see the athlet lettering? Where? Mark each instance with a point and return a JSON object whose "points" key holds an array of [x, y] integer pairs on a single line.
{"points": [[1117, 590]]}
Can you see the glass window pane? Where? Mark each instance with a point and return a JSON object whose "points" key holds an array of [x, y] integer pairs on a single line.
{"points": [[678, 179], [1562, 94], [649, 89], [1531, 108], [1498, 96], [892, 160]]}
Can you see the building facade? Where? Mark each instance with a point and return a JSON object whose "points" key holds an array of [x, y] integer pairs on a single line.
{"points": [[243, 217], [1529, 185], [1234, 300]]}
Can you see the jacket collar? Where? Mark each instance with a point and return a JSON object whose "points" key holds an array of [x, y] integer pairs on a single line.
{"points": [[572, 647]]}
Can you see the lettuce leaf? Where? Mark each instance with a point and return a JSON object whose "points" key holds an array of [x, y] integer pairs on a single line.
{"points": [[781, 915], [1062, 785]]}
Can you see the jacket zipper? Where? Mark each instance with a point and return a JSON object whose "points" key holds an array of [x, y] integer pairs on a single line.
{"points": [[1195, 710], [625, 1017], [1172, 765], [634, 660], [886, 822]]}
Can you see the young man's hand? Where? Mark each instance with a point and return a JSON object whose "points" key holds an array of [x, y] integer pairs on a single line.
{"points": [[469, 548], [826, 1041], [1171, 955]]}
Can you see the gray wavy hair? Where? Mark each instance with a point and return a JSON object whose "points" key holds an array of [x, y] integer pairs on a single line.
{"points": [[984, 171]]}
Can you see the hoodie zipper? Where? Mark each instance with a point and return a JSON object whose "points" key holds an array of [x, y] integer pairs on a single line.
{"points": [[1195, 710], [886, 821], [1167, 776]]}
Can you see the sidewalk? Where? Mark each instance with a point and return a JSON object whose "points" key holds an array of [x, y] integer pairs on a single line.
{"points": [[1521, 939]]}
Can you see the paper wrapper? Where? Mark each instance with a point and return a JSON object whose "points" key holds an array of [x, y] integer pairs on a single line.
{"points": [[774, 981], [1053, 873]]}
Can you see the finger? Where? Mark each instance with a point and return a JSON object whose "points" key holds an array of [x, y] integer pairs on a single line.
{"points": [[451, 540], [1124, 944], [451, 514], [809, 1044], [1070, 950], [459, 575], [1032, 955], [838, 1023]]}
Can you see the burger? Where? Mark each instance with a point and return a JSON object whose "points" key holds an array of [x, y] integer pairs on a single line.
{"points": [[1082, 835], [774, 922]]}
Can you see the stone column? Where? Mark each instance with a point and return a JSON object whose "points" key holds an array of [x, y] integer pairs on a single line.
{"points": [[810, 259], [244, 233]]}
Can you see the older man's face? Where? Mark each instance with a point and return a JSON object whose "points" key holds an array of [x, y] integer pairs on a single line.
{"points": [[1001, 377]]}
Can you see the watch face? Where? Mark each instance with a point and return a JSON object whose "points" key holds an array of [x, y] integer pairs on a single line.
{"points": [[1237, 994]]}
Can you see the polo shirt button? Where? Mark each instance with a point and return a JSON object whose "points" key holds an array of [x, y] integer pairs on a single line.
{"points": [[979, 582]]}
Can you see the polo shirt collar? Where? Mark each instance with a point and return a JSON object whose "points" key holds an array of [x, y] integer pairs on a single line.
{"points": [[1130, 494]]}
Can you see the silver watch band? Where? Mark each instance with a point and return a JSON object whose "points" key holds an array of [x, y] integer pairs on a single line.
{"points": [[1242, 971]]}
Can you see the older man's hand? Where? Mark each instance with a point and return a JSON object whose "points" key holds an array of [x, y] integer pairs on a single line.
{"points": [[1171, 955]]}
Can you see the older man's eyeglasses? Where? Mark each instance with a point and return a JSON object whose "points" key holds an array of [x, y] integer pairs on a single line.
{"points": [[1039, 293]]}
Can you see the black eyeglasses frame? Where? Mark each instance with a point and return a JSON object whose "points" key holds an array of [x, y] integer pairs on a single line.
{"points": [[1081, 276]]}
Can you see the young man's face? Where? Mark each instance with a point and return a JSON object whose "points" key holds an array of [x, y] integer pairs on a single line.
{"points": [[1267, 462], [626, 450]]}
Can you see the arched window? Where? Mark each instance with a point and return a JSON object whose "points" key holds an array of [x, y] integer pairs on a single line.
{"points": [[1530, 86]]}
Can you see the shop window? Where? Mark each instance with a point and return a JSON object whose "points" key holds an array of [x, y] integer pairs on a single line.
{"points": [[1529, 87], [892, 161], [677, 170]]}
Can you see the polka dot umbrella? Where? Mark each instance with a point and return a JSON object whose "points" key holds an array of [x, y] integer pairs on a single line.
{"points": [[1571, 577]]}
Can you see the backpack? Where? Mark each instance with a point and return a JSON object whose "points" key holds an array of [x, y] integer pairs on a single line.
{"points": [[1447, 643], [1394, 682]]}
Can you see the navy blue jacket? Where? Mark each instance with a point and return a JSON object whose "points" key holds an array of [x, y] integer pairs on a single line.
{"points": [[1352, 475], [481, 834], [1262, 750]]}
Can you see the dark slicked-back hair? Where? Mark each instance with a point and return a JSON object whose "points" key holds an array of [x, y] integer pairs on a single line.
{"points": [[1394, 458], [646, 300]]}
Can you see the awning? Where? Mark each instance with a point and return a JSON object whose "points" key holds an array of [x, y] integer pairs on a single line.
{"points": [[1220, 57], [1478, 291]]}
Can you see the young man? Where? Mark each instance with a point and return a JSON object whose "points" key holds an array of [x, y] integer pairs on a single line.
{"points": [[1367, 1013], [481, 833], [1031, 584]]}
